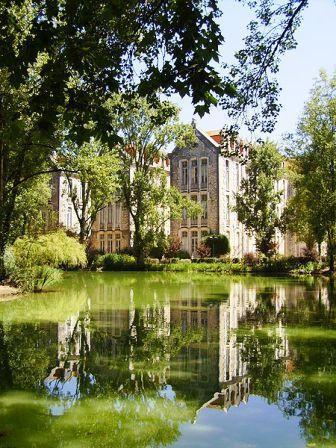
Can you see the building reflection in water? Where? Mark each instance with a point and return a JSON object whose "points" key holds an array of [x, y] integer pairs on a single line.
{"points": [[66, 379], [209, 370]]}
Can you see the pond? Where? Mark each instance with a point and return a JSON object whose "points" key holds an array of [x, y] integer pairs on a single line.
{"points": [[162, 359]]}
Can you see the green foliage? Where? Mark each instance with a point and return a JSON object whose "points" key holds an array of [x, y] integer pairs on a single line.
{"points": [[218, 244], [33, 263], [65, 77], [116, 262], [252, 76], [53, 249], [257, 201], [35, 278], [96, 168], [314, 148]]}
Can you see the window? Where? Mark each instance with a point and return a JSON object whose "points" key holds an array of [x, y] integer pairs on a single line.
{"points": [[117, 242], [204, 204], [69, 217], [117, 214], [227, 208], [204, 233], [194, 173], [227, 174], [184, 240], [184, 173], [109, 213], [109, 243], [194, 241], [194, 218], [204, 173], [184, 217], [102, 218], [102, 243]]}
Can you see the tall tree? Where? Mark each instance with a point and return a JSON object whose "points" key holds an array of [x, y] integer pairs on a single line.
{"points": [[91, 171], [145, 132], [63, 57], [258, 199], [314, 147]]}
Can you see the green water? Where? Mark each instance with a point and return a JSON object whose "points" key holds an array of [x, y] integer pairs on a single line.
{"points": [[159, 359]]}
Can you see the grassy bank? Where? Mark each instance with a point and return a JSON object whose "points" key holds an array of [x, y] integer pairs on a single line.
{"points": [[281, 265]]}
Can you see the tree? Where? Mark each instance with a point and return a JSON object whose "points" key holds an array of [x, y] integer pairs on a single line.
{"points": [[63, 58], [218, 244], [298, 217], [271, 34], [95, 167], [258, 200], [314, 147], [145, 132]]}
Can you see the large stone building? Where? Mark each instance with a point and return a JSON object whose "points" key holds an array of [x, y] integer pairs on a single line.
{"points": [[212, 179], [205, 175]]}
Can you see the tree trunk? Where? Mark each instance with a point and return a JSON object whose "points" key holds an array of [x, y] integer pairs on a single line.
{"points": [[138, 245], [331, 262], [331, 251]]}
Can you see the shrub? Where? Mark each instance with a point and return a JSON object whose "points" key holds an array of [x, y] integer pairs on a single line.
{"points": [[54, 249], [182, 254], [203, 250], [174, 246], [251, 259], [36, 278], [218, 244], [32, 263], [116, 262]]}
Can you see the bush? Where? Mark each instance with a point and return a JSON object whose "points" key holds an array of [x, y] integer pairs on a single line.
{"points": [[116, 262], [92, 257], [293, 265], [218, 244], [251, 259], [182, 255], [54, 249], [36, 278], [203, 250], [32, 263]]}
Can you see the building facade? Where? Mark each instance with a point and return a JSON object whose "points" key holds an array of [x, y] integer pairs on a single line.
{"points": [[208, 177], [63, 212], [212, 179]]}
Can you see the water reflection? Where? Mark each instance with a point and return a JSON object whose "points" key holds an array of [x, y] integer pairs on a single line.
{"points": [[163, 350]]}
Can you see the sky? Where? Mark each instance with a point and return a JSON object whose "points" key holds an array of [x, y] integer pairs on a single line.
{"points": [[299, 67]]}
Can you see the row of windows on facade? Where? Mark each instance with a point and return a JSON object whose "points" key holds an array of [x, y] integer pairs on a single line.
{"points": [[197, 171], [110, 244], [110, 216], [194, 220]]}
